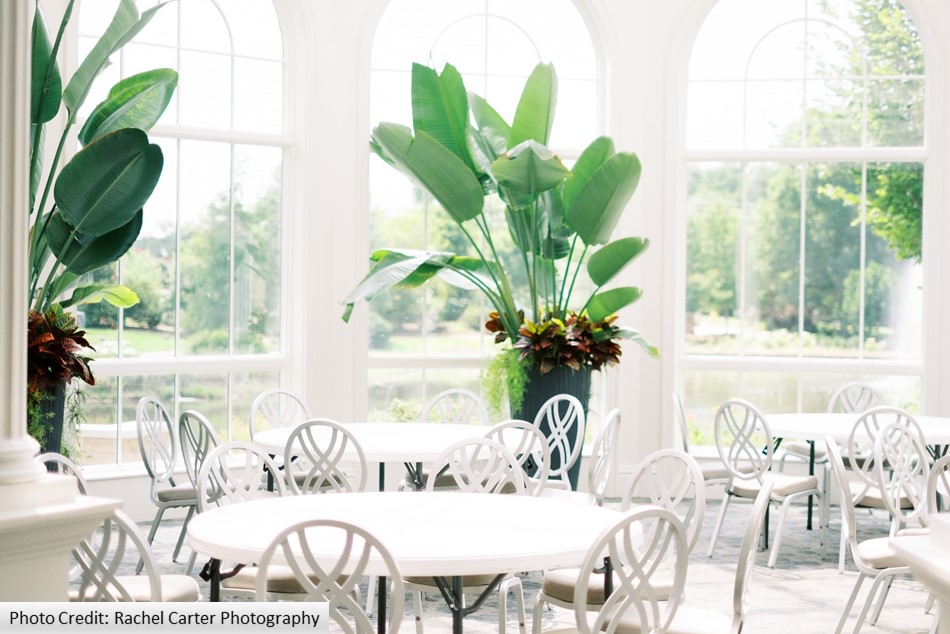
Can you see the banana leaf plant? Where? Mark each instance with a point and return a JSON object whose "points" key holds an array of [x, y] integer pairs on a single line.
{"points": [[86, 214], [461, 151]]}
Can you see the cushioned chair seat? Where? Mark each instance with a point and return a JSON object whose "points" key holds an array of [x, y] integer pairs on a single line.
{"points": [[280, 579], [178, 494], [467, 580], [714, 471], [878, 554], [175, 589], [871, 497], [782, 485], [559, 584], [802, 449]]}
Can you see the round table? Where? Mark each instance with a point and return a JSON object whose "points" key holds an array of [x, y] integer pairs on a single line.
{"points": [[437, 534], [815, 426], [388, 442]]}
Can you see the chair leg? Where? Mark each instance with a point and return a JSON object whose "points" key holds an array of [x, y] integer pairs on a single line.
{"points": [[539, 603], [880, 602], [151, 535], [842, 548], [722, 514], [847, 608], [191, 562], [867, 602], [512, 583], [181, 535], [371, 595], [417, 609], [773, 556]]}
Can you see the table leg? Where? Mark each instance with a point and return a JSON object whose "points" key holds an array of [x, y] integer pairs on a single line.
{"points": [[381, 605], [608, 577], [211, 572], [811, 472], [382, 476], [457, 613]]}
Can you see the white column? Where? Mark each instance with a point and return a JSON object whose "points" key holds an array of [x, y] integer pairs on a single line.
{"points": [[17, 448]]}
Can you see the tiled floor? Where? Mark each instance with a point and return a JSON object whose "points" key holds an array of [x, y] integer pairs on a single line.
{"points": [[803, 594]]}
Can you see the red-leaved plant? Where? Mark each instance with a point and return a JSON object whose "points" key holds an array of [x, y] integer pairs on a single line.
{"points": [[56, 348]]}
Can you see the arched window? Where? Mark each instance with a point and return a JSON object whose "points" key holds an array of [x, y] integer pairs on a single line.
{"points": [[804, 189], [426, 340], [207, 265]]}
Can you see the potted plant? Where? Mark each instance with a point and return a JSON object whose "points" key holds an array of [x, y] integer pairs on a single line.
{"points": [[560, 220], [86, 213]]}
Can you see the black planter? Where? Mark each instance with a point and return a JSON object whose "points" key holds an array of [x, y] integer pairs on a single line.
{"points": [[52, 413], [541, 387]]}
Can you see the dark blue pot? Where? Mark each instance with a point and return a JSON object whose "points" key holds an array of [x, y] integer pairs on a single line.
{"points": [[541, 387]]}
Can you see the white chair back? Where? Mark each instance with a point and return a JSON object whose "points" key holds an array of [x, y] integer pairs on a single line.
{"points": [[236, 472], [529, 447], [458, 406], [679, 412], [747, 551], [743, 440], [938, 484], [198, 437], [316, 453], [65, 466], [862, 439], [854, 397], [603, 456], [479, 465], [157, 444], [563, 417], [276, 408], [901, 467]]}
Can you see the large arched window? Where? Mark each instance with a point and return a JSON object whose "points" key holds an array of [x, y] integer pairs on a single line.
{"points": [[207, 265], [426, 340], [804, 165]]}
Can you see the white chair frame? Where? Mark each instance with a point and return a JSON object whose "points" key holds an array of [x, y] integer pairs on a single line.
{"points": [[279, 408], [314, 457], [529, 447], [565, 451]]}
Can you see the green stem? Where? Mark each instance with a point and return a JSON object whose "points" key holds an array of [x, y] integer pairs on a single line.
{"points": [[570, 290]]}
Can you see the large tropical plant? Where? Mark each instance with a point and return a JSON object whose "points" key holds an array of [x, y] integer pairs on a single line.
{"points": [[87, 213], [461, 151]]}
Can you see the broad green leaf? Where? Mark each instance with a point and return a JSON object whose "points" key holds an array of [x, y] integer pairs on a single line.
{"points": [[635, 336], [82, 252], [534, 116], [135, 102], [125, 25], [118, 296], [487, 118], [432, 167], [440, 108], [593, 156], [613, 257], [529, 169], [599, 205], [393, 268], [473, 266], [603, 305], [47, 84], [107, 182]]}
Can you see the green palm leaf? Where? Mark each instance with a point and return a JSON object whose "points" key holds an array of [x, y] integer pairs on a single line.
{"points": [[135, 102]]}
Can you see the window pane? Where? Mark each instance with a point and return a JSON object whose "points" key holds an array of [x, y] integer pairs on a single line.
{"points": [[204, 90], [98, 433], [714, 115], [896, 112], [258, 88], [208, 394], [254, 27], [245, 387], [395, 395], [203, 27]]}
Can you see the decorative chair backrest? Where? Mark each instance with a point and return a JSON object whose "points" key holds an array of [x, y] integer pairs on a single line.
{"points": [[746, 562], [157, 443], [480, 465], [101, 557], [673, 480], [863, 435], [458, 406], [198, 437], [938, 484], [854, 397], [276, 408], [334, 582], [315, 455], [529, 447], [743, 439], [603, 456], [65, 466], [563, 421], [680, 413], [901, 468], [844, 491], [236, 472], [638, 545]]}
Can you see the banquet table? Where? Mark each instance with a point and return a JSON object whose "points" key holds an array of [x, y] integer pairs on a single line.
{"points": [[411, 442], [814, 426], [429, 534]]}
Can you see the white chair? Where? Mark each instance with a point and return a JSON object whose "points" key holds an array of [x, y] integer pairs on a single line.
{"points": [[529, 446], [101, 556], [601, 465], [159, 450], [690, 620], [276, 408], [455, 406], [714, 473], [745, 445], [65, 466], [477, 465], [865, 491], [670, 479], [872, 557], [562, 420], [333, 582], [636, 546], [316, 453], [938, 484], [197, 437], [902, 469]]}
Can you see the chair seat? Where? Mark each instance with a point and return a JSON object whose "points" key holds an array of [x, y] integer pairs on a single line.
{"points": [[687, 620], [559, 584], [783, 485], [280, 579], [468, 581], [714, 471], [175, 589], [878, 554], [183, 493], [870, 497], [802, 449]]}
